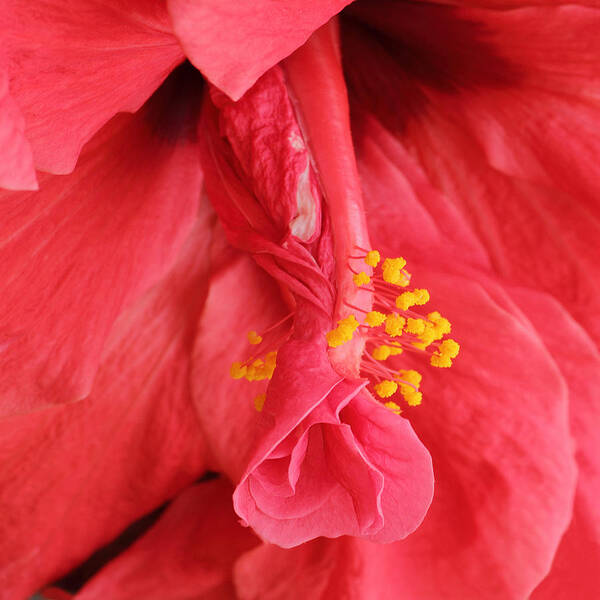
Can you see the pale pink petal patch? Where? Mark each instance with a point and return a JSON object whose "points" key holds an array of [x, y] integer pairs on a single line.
{"points": [[189, 553], [16, 161], [75, 475], [73, 66], [234, 43], [79, 250]]}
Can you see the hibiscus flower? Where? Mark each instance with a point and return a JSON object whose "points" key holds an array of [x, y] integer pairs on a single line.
{"points": [[123, 295]]}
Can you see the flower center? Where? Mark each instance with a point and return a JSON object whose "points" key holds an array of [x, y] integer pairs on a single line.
{"points": [[393, 327]]}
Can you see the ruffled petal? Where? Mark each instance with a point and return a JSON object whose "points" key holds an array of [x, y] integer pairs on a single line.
{"points": [[83, 247], [330, 461], [234, 44], [189, 553], [75, 475], [73, 66]]}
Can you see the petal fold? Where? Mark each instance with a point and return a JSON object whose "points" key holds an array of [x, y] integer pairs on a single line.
{"points": [[73, 66], [234, 44], [87, 244], [189, 553]]}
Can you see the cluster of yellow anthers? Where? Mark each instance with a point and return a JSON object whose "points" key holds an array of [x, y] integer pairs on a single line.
{"points": [[395, 328], [255, 369]]}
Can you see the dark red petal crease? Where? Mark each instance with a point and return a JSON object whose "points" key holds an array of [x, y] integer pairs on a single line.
{"points": [[189, 553]]}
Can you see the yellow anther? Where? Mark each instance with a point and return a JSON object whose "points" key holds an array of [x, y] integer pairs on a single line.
{"points": [[449, 348], [259, 402], [254, 338], [350, 322], [416, 326], [442, 327], [373, 257], [361, 279], [413, 398], [335, 338], [394, 324], [427, 337], [386, 388], [410, 376], [382, 352], [405, 300], [395, 264], [238, 370], [395, 350], [374, 318], [421, 296], [256, 371], [271, 358], [343, 332], [403, 280], [393, 407], [439, 360]]}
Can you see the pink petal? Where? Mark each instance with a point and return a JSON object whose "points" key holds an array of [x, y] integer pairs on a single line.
{"points": [[574, 572], [329, 462], [234, 44], [16, 163], [496, 424], [187, 554], [73, 66], [75, 475], [84, 246], [300, 431]]}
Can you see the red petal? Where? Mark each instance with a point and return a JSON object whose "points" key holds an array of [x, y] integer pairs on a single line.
{"points": [[574, 572], [319, 569], [496, 424], [520, 162], [241, 298], [187, 554], [74, 65], [234, 44], [16, 162], [76, 252], [75, 475]]}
